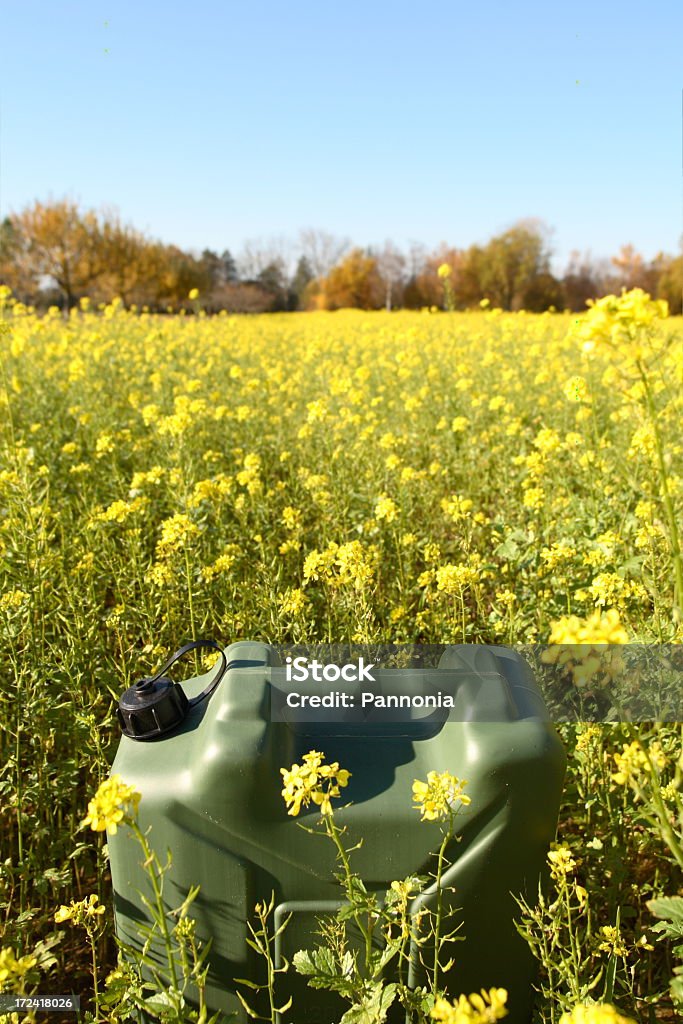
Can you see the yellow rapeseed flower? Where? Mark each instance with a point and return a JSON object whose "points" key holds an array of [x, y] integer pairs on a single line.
{"points": [[439, 796], [80, 911], [612, 941], [576, 389], [13, 599], [313, 781], [632, 760], [453, 579], [599, 1013], [11, 967], [176, 532], [386, 509], [478, 1008], [598, 628], [113, 802], [624, 323], [293, 602], [561, 862]]}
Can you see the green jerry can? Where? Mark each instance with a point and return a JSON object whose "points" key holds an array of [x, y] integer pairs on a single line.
{"points": [[206, 758]]}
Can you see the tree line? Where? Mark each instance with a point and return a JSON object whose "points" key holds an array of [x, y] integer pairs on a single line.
{"points": [[54, 253]]}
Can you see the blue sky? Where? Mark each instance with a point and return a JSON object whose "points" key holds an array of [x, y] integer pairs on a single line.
{"points": [[210, 123]]}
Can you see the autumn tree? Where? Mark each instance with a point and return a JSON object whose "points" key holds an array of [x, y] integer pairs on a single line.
{"points": [[14, 271], [58, 242], [470, 282], [511, 261], [632, 270], [424, 286], [130, 262], [670, 284], [354, 282]]}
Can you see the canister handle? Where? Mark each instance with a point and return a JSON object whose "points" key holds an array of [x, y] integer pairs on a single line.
{"points": [[192, 646]]}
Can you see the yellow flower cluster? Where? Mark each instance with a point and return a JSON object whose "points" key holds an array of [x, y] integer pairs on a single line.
{"points": [[643, 442], [141, 478], [584, 648], [340, 565], [249, 476], [598, 1013], [561, 861], [223, 564], [558, 554], [457, 508], [113, 802], [623, 322], [632, 760], [576, 389], [477, 1008], [597, 629], [611, 588], [313, 781], [120, 511], [12, 967], [176, 533], [386, 509], [293, 602], [291, 518], [612, 941], [439, 796], [13, 599], [453, 579], [187, 412], [212, 491], [80, 911]]}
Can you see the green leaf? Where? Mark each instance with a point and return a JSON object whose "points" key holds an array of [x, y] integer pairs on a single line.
{"points": [[161, 1001], [671, 909], [323, 971], [676, 988], [508, 549], [373, 1009], [303, 963]]}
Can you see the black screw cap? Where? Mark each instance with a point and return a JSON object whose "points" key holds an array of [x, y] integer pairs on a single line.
{"points": [[151, 707]]}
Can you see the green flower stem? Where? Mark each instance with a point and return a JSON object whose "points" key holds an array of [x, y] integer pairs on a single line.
{"points": [[150, 864], [188, 578], [335, 835], [439, 902], [674, 536], [668, 834], [93, 947], [263, 918], [573, 940]]}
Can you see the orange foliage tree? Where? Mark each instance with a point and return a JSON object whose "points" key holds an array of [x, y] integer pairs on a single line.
{"points": [[355, 281]]}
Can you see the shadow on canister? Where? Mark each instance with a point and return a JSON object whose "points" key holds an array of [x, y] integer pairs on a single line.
{"points": [[206, 758]]}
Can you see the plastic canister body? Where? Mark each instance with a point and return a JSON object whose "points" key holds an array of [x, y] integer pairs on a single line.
{"points": [[211, 794]]}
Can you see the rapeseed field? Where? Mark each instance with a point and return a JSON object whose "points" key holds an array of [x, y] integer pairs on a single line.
{"points": [[426, 477]]}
